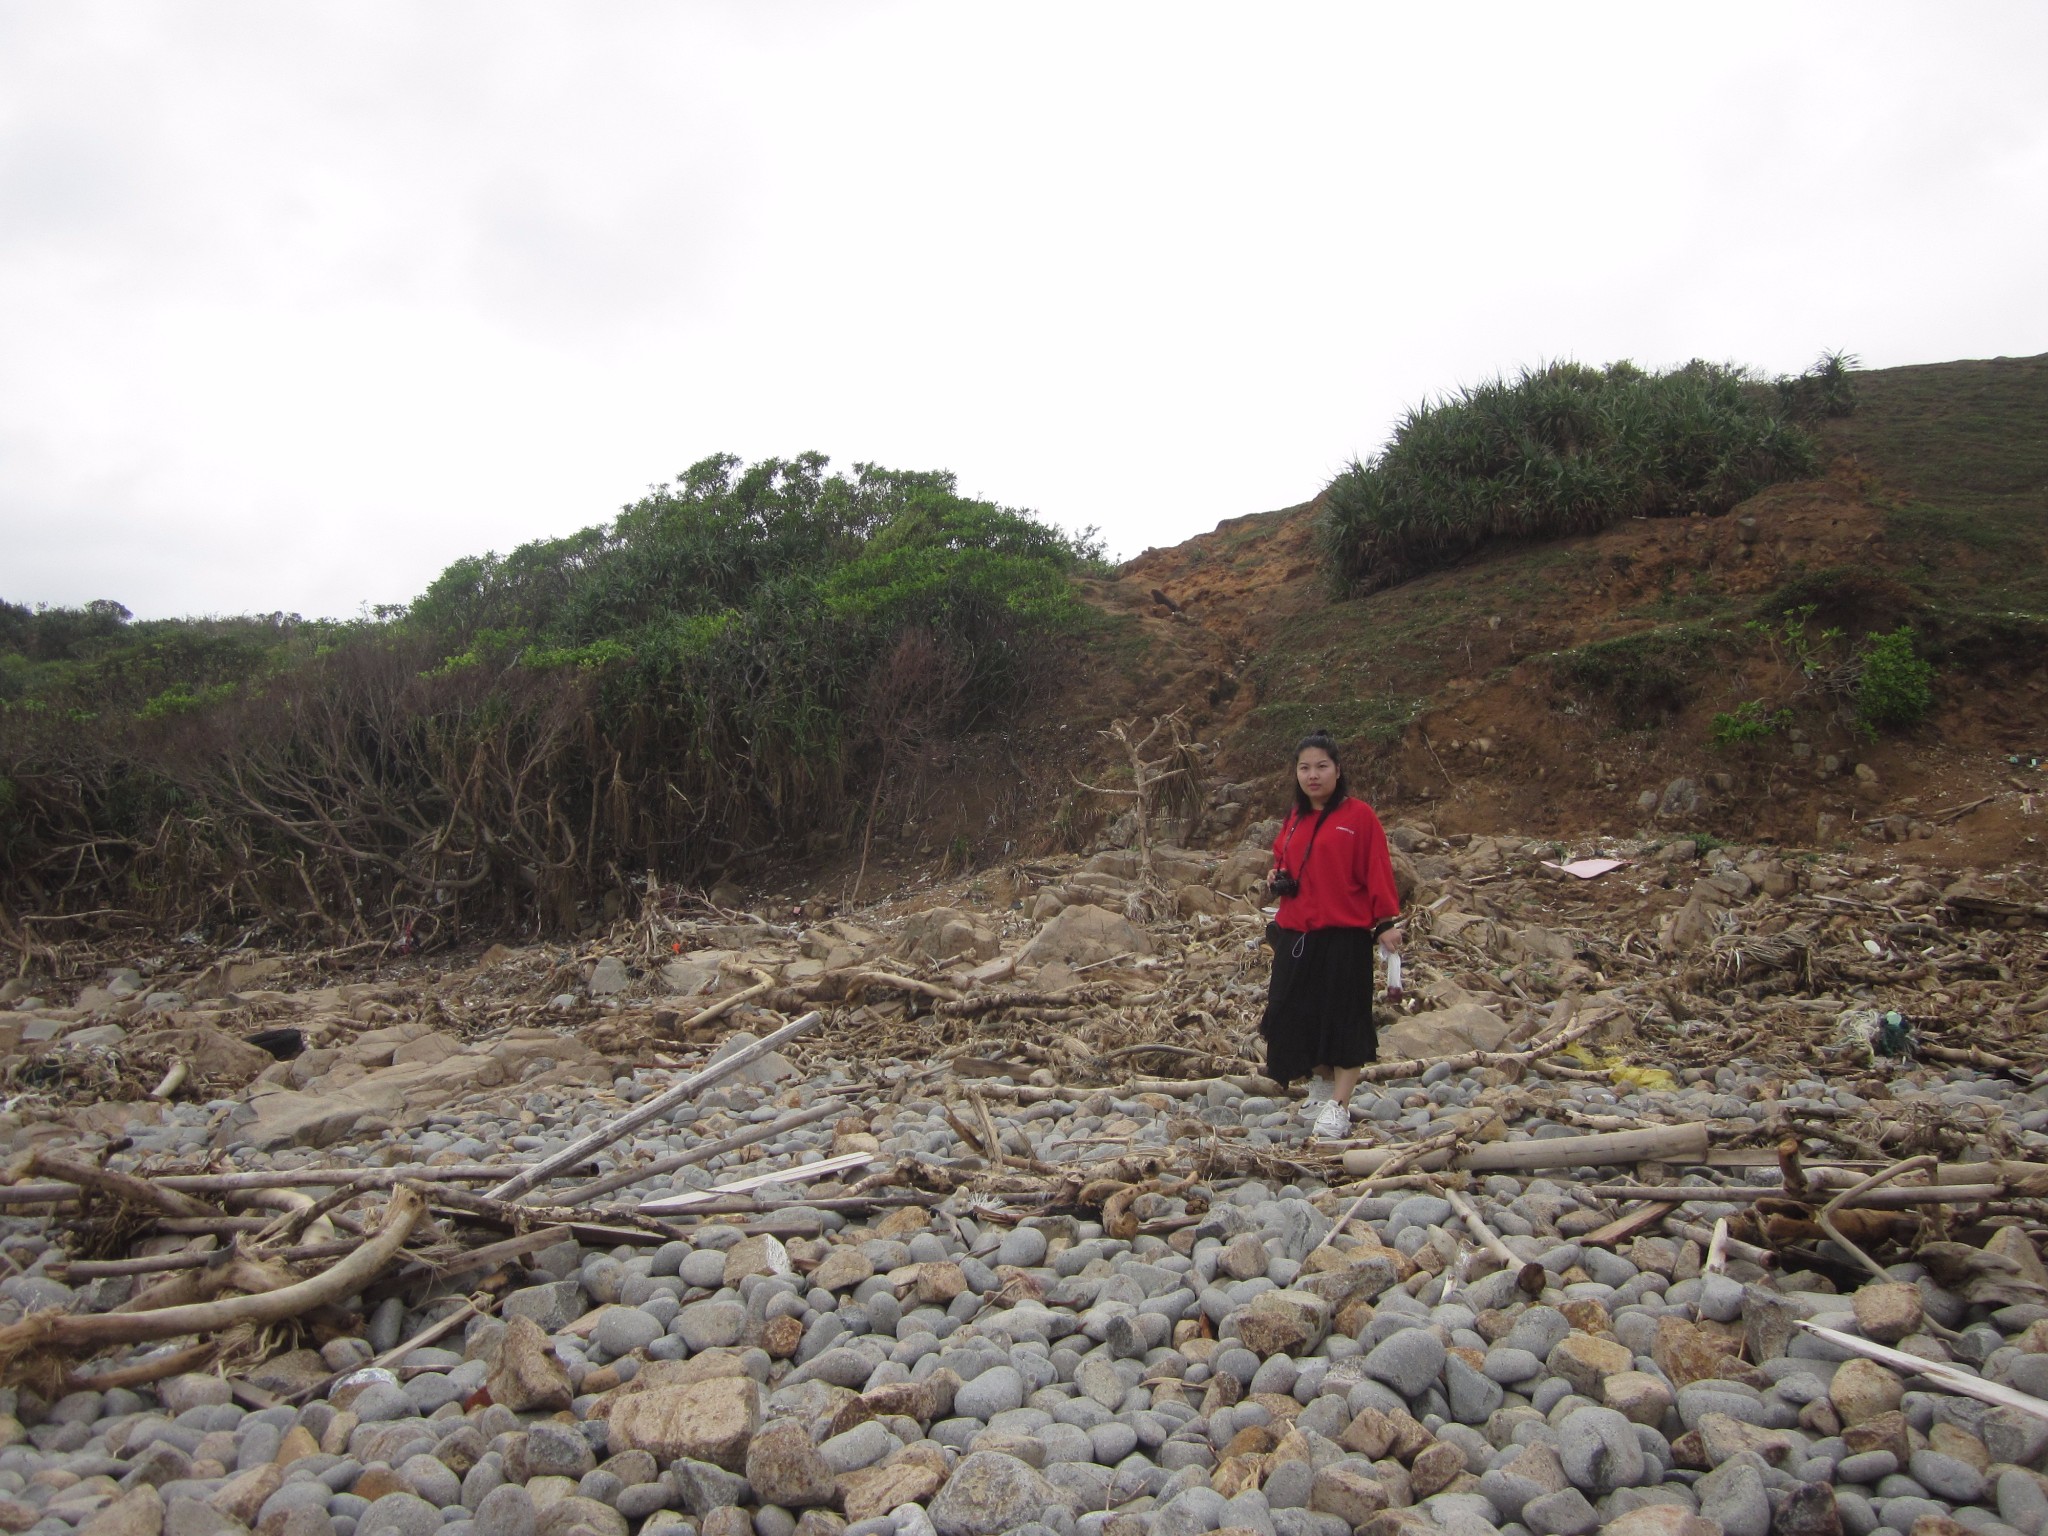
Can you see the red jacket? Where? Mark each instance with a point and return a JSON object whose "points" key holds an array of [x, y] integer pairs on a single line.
{"points": [[1348, 882]]}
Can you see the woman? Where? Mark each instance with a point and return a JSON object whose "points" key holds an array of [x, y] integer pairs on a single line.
{"points": [[1335, 881]]}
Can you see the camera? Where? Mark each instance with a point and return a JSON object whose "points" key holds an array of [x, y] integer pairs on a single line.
{"points": [[1281, 883]]}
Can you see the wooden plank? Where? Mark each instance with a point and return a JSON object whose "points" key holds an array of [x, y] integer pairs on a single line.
{"points": [[1629, 1224]]}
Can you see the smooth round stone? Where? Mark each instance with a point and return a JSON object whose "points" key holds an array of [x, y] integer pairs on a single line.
{"points": [[1871, 1466], [1112, 1441], [1947, 1477], [704, 1268], [1023, 1247], [991, 1392], [1235, 1361], [711, 1324]]}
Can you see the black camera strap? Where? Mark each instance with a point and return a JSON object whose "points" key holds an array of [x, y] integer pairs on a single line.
{"points": [[1314, 832]]}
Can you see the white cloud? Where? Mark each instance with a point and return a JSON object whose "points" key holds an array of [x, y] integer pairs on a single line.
{"points": [[297, 304]]}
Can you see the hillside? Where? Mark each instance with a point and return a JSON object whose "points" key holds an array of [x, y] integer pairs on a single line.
{"points": [[775, 678], [1546, 688]]}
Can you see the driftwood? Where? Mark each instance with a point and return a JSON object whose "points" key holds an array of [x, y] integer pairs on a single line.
{"points": [[125, 1187], [1172, 1087], [79, 1270], [1947, 1377], [1393, 1071], [1743, 1194], [702, 1153], [174, 1362], [652, 1109], [1485, 1235], [1735, 1248], [726, 1004], [1660, 1143], [697, 1197], [89, 1331]]}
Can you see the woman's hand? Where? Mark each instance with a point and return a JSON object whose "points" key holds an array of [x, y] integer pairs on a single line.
{"points": [[1392, 939]]}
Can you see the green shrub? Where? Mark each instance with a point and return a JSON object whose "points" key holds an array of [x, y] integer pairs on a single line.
{"points": [[1560, 450], [708, 674], [1824, 391], [1896, 688], [1747, 723]]}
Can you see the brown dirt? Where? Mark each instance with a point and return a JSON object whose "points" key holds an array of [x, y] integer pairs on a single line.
{"points": [[1498, 744]]}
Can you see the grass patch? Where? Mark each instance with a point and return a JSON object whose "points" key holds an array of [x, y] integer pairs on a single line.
{"points": [[1640, 679], [1376, 721]]}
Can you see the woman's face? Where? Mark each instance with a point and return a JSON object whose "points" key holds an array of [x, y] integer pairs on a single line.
{"points": [[1316, 772]]}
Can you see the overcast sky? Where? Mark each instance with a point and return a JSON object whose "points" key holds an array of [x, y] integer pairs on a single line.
{"points": [[300, 302]]}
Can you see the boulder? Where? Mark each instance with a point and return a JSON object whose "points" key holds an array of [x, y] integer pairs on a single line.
{"points": [[1084, 935], [1444, 1032], [710, 1421]]}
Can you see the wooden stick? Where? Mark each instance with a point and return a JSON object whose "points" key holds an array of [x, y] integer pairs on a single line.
{"points": [[726, 1004], [1389, 1071], [1947, 1377], [488, 1257], [1673, 1143], [741, 1205], [1968, 1056], [1480, 1230], [703, 1152], [344, 1279], [1735, 1248], [668, 1204], [334, 1178], [38, 1194], [125, 1187], [1878, 1199], [174, 1363], [1629, 1224], [660, 1104], [99, 1269], [476, 1306], [1882, 1176], [171, 1081]]}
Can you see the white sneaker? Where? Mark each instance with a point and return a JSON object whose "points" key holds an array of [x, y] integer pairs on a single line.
{"points": [[1333, 1121], [1318, 1089]]}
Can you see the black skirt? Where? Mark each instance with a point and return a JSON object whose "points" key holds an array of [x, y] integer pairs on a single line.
{"points": [[1319, 1003]]}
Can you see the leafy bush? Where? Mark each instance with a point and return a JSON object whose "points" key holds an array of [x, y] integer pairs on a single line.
{"points": [[1559, 450], [1824, 391], [714, 670], [1896, 688], [1748, 722]]}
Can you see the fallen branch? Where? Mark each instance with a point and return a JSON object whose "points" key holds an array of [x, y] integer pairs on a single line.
{"points": [[1485, 1235], [98, 1269], [1661, 1143], [89, 1331], [704, 1152], [695, 1197], [125, 1187], [1735, 1248], [174, 1362], [1391, 1071], [1744, 1194], [726, 1004], [652, 1109], [1946, 1377]]}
